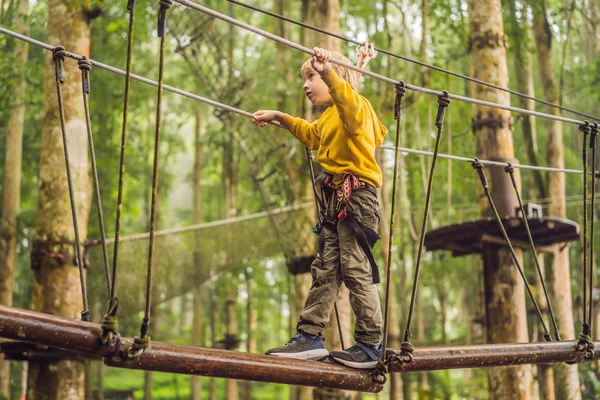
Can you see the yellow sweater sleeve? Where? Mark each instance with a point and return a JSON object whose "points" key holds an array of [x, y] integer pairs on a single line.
{"points": [[306, 132], [348, 102]]}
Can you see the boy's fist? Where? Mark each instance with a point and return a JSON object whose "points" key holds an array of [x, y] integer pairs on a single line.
{"points": [[320, 61], [261, 117]]}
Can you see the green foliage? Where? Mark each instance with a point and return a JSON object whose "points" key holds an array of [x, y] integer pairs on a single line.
{"points": [[211, 59]]}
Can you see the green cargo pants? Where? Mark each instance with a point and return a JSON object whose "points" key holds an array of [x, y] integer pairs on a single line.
{"points": [[343, 260]]}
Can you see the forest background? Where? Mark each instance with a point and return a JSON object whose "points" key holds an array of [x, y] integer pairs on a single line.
{"points": [[228, 285]]}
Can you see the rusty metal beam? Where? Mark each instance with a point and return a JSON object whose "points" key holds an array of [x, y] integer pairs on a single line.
{"points": [[80, 336]]}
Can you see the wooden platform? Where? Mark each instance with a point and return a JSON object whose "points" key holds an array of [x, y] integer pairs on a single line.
{"points": [[469, 237]]}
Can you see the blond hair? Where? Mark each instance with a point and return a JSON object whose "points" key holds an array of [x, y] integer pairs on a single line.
{"points": [[343, 72]]}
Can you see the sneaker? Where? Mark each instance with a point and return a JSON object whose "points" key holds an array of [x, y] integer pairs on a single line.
{"points": [[358, 356], [302, 347]]}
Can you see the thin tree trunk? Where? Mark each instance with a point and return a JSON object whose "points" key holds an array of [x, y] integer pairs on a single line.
{"points": [[148, 383], [566, 376], [213, 339], [196, 381], [593, 7], [524, 78], [505, 302], [100, 381], [232, 331], [251, 325], [56, 288], [231, 296], [12, 181]]}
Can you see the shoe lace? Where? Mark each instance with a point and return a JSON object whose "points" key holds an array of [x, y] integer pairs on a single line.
{"points": [[354, 349], [294, 339]]}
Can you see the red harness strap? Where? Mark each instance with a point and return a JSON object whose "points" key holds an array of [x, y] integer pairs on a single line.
{"points": [[343, 192]]}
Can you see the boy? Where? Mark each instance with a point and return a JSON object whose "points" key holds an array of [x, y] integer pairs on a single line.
{"points": [[346, 136]]}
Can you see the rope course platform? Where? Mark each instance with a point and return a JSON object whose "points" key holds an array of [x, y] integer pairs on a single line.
{"points": [[470, 237], [83, 337]]}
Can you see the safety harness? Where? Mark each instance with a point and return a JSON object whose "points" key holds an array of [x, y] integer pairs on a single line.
{"points": [[365, 236]]}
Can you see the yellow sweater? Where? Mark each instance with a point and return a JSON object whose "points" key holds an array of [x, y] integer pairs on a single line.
{"points": [[346, 135]]}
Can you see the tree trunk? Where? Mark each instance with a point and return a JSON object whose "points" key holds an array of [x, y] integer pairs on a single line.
{"points": [[520, 33], [566, 376], [504, 289], [155, 318], [213, 338], [593, 7], [12, 181], [56, 288], [232, 330], [251, 325], [524, 78], [196, 381]]}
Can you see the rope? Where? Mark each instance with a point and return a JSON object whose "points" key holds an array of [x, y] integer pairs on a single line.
{"points": [[113, 299], [411, 60], [249, 115], [381, 370], [320, 207], [406, 348], [593, 139], [484, 183], [58, 56], [86, 66], [585, 128], [140, 343], [511, 171], [296, 46]]}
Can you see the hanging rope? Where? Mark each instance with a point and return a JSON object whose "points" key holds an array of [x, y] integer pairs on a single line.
{"points": [[478, 166], [110, 322], [86, 66], [58, 56], [421, 63], [319, 203], [140, 343], [584, 343], [585, 129], [511, 172], [406, 348], [380, 372], [593, 142]]}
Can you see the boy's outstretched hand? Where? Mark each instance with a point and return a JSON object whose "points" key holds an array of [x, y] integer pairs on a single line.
{"points": [[261, 117], [320, 61]]}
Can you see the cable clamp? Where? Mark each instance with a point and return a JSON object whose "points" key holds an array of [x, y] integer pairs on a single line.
{"points": [[85, 65], [137, 348], [58, 56], [400, 92], [110, 323], [478, 166], [443, 103], [162, 16]]}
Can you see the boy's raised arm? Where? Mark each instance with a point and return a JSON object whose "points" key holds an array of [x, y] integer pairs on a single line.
{"points": [[349, 104]]}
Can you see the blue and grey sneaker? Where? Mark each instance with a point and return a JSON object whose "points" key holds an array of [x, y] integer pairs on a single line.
{"points": [[302, 347], [358, 356]]}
